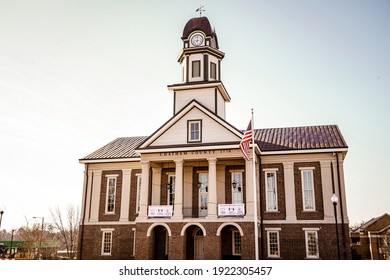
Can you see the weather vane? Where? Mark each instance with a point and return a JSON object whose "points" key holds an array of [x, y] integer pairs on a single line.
{"points": [[200, 10]]}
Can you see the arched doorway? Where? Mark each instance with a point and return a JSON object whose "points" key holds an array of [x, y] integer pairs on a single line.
{"points": [[194, 243], [160, 243], [230, 243]]}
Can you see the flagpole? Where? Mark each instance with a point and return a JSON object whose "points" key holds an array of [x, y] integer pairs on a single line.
{"points": [[254, 191]]}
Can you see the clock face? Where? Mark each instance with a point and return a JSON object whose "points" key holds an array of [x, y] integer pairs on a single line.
{"points": [[197, 40]]}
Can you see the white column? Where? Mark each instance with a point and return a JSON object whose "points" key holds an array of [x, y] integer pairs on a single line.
{"points": [[249, 207], [212, 189], [327, 191], [143, 211], [86, 198], [95, 195], [156, 186], [289, 188], [178, 207], [125, 200]]}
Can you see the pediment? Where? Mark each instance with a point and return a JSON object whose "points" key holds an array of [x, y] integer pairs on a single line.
{"points": [[174, 133]]}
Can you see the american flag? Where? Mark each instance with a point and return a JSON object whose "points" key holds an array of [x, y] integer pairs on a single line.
{"points": [[245, 141]]}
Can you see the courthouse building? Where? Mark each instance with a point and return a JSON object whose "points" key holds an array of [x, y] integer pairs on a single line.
{"points": [[187, 191]]}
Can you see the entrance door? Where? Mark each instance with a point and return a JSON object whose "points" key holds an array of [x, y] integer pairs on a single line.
{"points": [[198, 244], [203, 193]]}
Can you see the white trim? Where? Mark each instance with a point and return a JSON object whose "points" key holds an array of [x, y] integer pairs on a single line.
{"points": [[190, 149], [219, 85], [303, 190], [107, 229], [270, 169], [273, 229], [181, 114], [311, 229], [109, 160], [317, 255], [104, 232], [112, 175], [109, 177], [241, 172], [307, 168], [305, 151], [269, 255], [266, 191], [189, 131]]}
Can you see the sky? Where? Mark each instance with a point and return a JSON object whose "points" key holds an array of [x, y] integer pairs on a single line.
{"points": [[77, 74]]}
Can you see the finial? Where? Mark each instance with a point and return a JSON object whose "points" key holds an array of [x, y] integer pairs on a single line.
{"points": [[200, 10]]}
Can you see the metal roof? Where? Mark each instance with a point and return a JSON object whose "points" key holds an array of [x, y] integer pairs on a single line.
{"points": [[122, 147], [268, 139], [299, 138]]}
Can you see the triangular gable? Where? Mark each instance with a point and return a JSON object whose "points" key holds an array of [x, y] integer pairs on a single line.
{"points": [[174, 132]]}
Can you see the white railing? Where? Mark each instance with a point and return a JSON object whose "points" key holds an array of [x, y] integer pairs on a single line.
{"points": [[231, 210], [160, 211]]}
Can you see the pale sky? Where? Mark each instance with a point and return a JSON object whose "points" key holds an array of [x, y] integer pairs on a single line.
{"points": [[76, 74]]}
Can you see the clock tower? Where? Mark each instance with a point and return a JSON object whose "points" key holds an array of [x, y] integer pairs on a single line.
{"points": [[200, 65]]}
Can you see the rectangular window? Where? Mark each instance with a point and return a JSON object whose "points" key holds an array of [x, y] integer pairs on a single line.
{"points": [[273, 244], [236, 243], [194, 131], [213, 70], [308, 190], [237, 187], [107, 242], [195, 68], [311, 244], [139, 181], [203, 185], [271, 191], [110, 195], [171, 189]]}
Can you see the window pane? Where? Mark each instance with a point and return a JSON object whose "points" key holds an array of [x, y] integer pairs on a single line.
{"points": [[312, 245], [237, 188], [138, 192], [308, 190], [213, 70], [271, 192], [196, 68], [171, 189], [236, 243], [111, 195], [107, 242], [273, 244], [194, 132]]}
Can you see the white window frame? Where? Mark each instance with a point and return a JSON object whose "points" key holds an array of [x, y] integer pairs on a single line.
{"points": [[191, 131], [111, 177], [271, 171], [138, 197], [108, 241], [236, 248], [308, 170], [269, 232], [307, 233], [241, 184]]}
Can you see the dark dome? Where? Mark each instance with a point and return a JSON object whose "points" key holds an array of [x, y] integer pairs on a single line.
{"points": [[198, 23]]}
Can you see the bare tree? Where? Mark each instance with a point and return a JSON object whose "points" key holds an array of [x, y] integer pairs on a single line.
{"points": [[67, 227], [30, 234]]}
